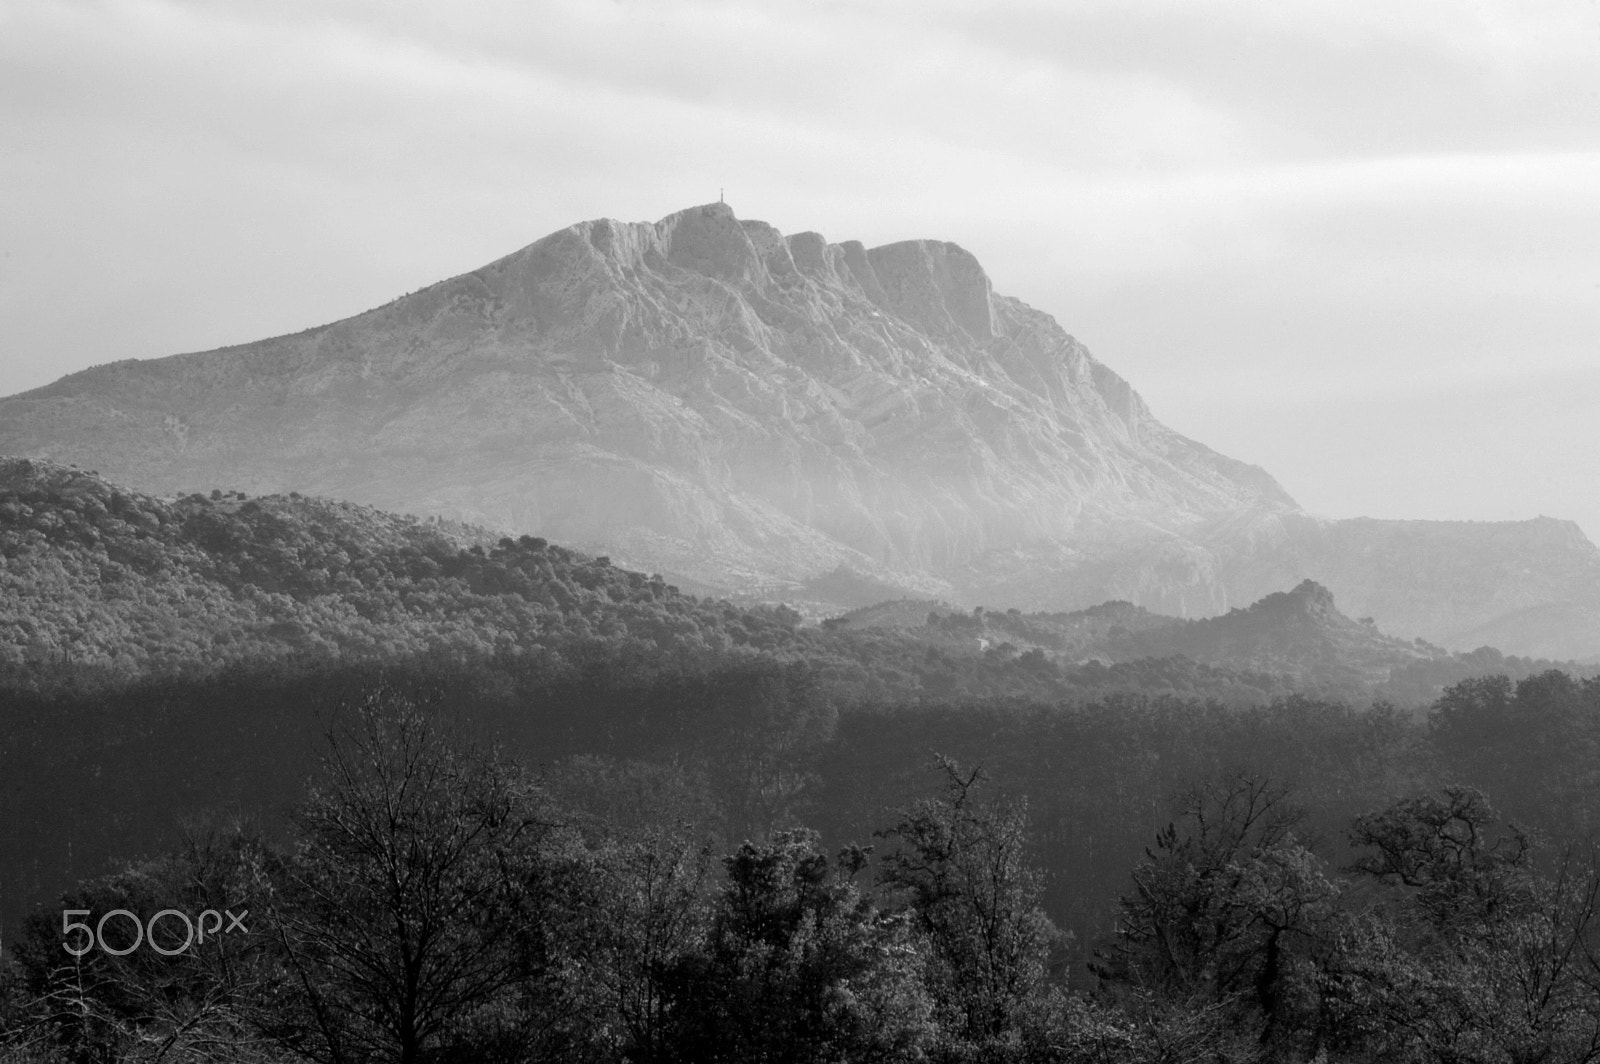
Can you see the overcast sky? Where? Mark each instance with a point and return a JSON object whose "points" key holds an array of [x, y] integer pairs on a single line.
{"points": [[1357, 243]]}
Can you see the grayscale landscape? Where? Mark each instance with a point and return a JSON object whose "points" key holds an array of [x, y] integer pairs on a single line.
{"points": [[694, 637]]}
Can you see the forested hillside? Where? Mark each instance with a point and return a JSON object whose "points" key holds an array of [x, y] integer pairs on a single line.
{"points": [[126, 585], [100, 584]]}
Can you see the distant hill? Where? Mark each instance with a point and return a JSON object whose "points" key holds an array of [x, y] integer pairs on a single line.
{"points": [[1530, 587], [1298, 633], [1299, 636], [1461, 584], [98, 581], [108, 580]]}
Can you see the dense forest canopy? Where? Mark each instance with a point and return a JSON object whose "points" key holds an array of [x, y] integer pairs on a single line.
{"points": [[739, 869]]}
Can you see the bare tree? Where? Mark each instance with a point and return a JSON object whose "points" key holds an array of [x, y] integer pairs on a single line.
{"points": [[408, 917]]}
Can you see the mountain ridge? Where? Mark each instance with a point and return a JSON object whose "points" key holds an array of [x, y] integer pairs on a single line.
{"points": [[751, 412], [894, 337], [1299, 634]]}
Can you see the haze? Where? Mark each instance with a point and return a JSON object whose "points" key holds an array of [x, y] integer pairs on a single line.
{"points": [[1353, 244]]}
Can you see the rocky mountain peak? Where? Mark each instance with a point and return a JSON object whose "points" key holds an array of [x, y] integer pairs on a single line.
{"points": [[711, 241], [701, 395], [743, 411], [1308, 596], [1307, 603]]}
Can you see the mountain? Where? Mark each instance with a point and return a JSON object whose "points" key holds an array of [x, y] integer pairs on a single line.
{"points": [[1527, 587], [1296, 633], [780, 417], [702, 395], [1299, 634], [1462, 584]]}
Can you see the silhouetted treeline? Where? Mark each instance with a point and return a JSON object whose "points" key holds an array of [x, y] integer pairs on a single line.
{"points": [[428, 899], [95, 775]]}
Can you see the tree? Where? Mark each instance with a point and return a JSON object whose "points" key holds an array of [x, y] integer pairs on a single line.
{"points": [[161, 993], [799, 967], [1232, 912], [410, 918], [1456, 864], [645, 911], [1535, 746], [960, 867], [1470, 952]]}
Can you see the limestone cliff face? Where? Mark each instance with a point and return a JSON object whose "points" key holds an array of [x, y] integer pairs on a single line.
{"points": [[746, 411], [703, 395]]}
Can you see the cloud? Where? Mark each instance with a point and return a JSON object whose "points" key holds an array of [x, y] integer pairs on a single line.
{"points": [[1328, 77], [1237, 202], [1499, 446]]}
